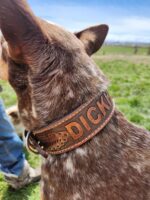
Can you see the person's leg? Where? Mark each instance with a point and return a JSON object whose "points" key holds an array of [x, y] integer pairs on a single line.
{"points": [[11, 147], [12, 159]]}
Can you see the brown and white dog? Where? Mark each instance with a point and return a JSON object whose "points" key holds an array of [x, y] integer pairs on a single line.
{"points": [[14, 116], [53, 74]]}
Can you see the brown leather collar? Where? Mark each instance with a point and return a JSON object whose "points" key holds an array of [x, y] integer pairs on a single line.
{"points": [[74, 129]]}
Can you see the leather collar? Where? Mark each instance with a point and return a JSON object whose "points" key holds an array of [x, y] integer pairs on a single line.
{"points": [[74, 129]]}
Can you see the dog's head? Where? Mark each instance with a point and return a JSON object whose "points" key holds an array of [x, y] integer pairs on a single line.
{"points": [[49, 67], [14, 116]]}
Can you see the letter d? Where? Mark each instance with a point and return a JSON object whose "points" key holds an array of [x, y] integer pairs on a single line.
{"points": [[71, 130]]}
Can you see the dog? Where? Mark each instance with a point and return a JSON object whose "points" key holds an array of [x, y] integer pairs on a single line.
{"points": [[55, 78], [3, 60], [14, 116]]}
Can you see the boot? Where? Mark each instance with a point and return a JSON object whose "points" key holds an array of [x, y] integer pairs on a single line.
{"points": [[28, 175]]}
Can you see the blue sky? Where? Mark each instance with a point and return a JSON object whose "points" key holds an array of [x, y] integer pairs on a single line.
{"points": [[129, 20]]}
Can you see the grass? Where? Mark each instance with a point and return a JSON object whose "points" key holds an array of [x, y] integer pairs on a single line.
{"points": [[130, 87], [124, 50]]}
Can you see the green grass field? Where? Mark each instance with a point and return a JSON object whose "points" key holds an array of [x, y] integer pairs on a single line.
{"points": [[124, 50], [130, 87]]}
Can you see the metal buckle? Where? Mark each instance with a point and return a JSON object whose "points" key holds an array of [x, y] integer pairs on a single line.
{"points": [[29, 142], [33, 145]]}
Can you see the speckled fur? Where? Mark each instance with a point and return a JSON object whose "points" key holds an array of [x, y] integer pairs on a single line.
{"points": [[52, 74]]}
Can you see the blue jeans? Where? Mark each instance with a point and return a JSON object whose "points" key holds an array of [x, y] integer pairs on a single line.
{"points": [[11, 147]]}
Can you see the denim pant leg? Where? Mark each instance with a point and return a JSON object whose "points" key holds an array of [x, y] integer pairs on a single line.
{"points": [[11, 147]]}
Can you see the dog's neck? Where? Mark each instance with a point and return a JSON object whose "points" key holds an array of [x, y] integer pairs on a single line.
{"points": [[71, 166], [58, 92]]}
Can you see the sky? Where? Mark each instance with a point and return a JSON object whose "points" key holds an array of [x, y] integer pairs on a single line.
{"points": [[128, 20]]}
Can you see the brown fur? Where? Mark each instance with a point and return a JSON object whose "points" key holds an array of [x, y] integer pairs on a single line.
{"points": [[52, 74], [3, 60]]}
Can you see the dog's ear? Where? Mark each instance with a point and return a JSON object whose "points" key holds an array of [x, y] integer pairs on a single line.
{"points": [[93, 37], [21, 29], [14, 115]]}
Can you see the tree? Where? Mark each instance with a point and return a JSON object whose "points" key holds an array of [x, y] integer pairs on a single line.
{"points": [[148, 52], [135, 49]]}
